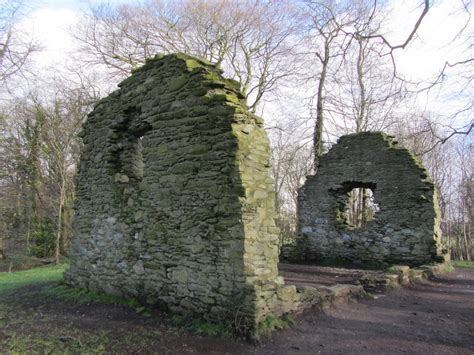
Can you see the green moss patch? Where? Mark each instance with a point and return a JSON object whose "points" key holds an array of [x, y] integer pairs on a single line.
{"points": [[200, 326], [463, 263]]}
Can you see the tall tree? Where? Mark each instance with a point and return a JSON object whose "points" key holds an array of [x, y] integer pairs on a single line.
{"points": [[252, 41], [41, 147], [16, 46], [327, 21]]}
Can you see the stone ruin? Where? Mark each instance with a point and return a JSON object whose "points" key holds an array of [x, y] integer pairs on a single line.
{"points": [[175, 202], [406, 228]]}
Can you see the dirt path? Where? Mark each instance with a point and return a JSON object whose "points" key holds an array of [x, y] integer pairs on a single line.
{"points": [[311, 275], [431, 318]]}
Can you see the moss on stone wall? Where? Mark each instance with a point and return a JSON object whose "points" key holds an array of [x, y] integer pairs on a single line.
{"points": [[175, 203]]}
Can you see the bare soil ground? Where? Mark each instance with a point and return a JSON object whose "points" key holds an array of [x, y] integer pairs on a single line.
{"points": [[312, 275], [436, 317]]}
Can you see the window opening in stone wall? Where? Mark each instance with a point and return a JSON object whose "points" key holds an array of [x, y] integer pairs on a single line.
{"points": [[137, 163], [360, 207], [131, 139], [130, 163], [356, 204]]}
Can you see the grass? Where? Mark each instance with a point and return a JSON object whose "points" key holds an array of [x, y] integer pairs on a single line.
{"points": [[28, 324], [392, 270], [463, 263], [55, 342], [48, 337], [272, 323], [55, 289], [9, 282]]}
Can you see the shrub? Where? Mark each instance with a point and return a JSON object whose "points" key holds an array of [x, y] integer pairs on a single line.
{"points": [[42, 241]]}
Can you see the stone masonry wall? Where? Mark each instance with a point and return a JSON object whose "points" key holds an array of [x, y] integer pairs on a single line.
{"points": [[175, 203], [405, 230]]}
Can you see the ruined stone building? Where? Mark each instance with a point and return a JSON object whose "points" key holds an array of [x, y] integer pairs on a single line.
{"points": [[405, 228], [175, 203]]}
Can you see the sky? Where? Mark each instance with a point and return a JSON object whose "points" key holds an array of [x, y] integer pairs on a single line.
{"points": [[434, 43], [51, 23]]}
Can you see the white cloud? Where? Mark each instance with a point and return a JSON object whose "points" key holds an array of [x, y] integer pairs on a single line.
{"points": [[51, 28], [436, 40]]}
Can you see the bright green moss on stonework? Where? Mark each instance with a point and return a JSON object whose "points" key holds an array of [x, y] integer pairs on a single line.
{"points": [[174, 205]]}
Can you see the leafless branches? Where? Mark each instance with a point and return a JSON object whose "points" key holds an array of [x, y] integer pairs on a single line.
{"points": [[252, 41], [16, 47], [438, 139], [408, 39]]}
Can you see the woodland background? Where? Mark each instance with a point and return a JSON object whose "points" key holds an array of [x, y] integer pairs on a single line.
{"points": [[314, 70]]}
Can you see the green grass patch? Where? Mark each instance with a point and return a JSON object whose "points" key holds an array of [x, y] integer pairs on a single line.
{"points": [[463, 263], [9, 282], [445, 267], [55, 342], [272, 323], [82, 296]]}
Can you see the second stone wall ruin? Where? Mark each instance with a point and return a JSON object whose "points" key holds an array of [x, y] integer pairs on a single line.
{"points": [[405, 230]]}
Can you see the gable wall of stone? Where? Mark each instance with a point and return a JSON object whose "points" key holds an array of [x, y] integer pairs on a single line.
{"points": [[175, 203], [405, 230]]}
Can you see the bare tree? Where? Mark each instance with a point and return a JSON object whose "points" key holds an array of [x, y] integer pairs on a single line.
{"points": [[357, 86], [62, 122], [291, 163], [326, 23], [466, 196], [40, 149], [451, 167], [451, 84], [16, 47], [251, 40]]}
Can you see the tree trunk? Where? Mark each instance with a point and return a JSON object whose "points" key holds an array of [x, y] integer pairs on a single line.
{"points": [[466, 242], [62, 194], [2, 248], [28, 233], [364, 206], [318, 129]]}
